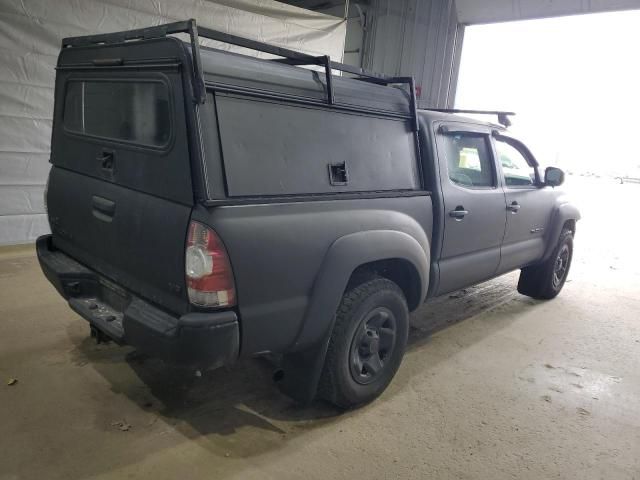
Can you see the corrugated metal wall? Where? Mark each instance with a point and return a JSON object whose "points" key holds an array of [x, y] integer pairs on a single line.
{"points": [[416, 37]]}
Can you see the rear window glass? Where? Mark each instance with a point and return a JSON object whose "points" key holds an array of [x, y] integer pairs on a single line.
{"points": [[136, 112]]}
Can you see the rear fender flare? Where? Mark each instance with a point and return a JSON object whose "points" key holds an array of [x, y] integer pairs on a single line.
{"points": [[344, 256], [302, 366]]}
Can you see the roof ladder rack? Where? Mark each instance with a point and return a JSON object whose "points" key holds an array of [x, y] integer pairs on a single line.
{"points": [[290, 57]]}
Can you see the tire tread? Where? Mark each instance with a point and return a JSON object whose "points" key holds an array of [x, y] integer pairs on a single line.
{"points": [[328, 387]]}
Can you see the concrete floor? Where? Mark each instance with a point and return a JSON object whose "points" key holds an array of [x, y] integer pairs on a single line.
{"points": [[494, 385]]}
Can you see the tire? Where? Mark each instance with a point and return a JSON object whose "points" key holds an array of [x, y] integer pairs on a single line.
{"points": [[367, 343], [545, 281]]}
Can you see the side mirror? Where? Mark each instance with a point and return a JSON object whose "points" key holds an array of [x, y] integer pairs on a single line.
{"points": [[553, 177]]}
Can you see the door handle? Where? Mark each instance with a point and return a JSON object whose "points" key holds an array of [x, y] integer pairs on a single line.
{"points": [[107, 160], [514, 207], [458, 213]]}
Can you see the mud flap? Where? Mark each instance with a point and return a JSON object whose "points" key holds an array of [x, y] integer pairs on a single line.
{"points": [[302, 371]]}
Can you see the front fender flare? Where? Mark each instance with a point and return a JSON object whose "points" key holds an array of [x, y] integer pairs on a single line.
{"points": [[562, 214]]}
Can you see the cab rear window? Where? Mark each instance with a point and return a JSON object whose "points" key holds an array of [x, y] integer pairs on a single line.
{"points": [[127, 111]]}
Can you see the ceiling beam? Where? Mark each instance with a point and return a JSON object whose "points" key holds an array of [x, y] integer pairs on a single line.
{"points": [[492, 11]]}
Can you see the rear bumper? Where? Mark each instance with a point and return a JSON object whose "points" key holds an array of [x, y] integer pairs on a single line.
{"points": [[196, 339]]}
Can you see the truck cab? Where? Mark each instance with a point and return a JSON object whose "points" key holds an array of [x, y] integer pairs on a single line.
{"points": [[497, 207]]}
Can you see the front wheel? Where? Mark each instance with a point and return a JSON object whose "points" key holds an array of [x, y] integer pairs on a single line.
{"points": [[367, 343], [546, 280]]}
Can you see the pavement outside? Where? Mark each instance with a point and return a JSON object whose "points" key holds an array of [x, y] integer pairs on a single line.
{"points": [[494, 385]]}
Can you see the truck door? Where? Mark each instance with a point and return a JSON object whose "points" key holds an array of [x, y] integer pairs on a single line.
{"points": [[474, 208], [529, 205]]}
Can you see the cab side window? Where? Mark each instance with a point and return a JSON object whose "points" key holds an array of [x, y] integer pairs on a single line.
{"points": [[469, 160], [517, 172]]}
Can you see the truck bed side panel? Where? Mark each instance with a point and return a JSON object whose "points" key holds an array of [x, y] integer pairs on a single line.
{"points": [[277, 250]]}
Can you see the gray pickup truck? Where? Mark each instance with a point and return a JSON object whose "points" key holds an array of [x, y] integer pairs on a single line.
{"points": [[206, 206]]}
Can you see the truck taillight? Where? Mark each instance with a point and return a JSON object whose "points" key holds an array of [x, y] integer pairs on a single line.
{"points": [[209, 277]]}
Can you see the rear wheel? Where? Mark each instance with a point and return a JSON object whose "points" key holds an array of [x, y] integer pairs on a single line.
{"points": [[367, 343], [545, 281]]}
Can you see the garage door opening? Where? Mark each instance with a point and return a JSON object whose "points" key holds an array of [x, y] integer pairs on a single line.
{"points": [[573, 82]]}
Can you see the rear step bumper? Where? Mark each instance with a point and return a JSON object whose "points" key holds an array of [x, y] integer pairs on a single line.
{"points": [[196, 339]]}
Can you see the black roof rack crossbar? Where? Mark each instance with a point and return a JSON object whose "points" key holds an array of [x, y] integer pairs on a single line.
{"points": [[289, 56], [503, 117]]}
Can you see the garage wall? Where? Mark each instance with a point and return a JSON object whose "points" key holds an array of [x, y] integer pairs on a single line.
{"points": [[416, 37], [419, 38], [30, 35]]}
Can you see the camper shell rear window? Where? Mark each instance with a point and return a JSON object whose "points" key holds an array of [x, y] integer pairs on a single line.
{"points": [[132, 111]]}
